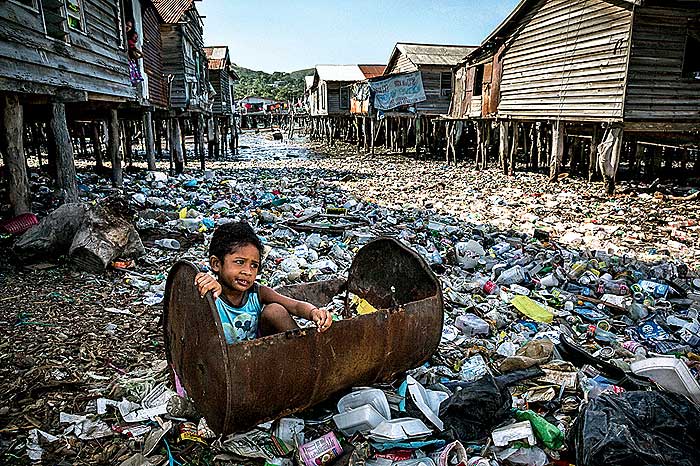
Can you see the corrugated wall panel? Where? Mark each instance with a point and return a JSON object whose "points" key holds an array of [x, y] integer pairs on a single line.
{"points": [[153, 58], [568, 60], [656, 89]]}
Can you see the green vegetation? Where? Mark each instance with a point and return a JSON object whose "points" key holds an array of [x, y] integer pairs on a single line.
{"points": [[278, 85]]}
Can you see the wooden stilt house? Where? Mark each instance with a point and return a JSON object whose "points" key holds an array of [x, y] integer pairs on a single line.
{"points": [[185, 68], [222, 78], [57, 58], [616, 76]]}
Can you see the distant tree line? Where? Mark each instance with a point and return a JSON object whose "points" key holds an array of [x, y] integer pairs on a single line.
{"points": [[277, 85]]}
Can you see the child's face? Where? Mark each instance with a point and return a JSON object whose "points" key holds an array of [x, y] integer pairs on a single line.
{"points": [[238, 270]]}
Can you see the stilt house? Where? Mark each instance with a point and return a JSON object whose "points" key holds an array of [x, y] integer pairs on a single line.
{"points": [[222, 78], [435, 62], [57, 58], [329, 93], [184, 60], [632, 66]]}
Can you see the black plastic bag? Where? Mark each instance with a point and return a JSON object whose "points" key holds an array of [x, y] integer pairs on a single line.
{"points": [[476, 409], [638, 429]]}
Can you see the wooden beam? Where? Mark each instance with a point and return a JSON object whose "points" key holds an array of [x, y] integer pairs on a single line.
{"points": [[65, 164], [150, 142], [113, 149], [96, 146], [12, 146], [662, 127]]}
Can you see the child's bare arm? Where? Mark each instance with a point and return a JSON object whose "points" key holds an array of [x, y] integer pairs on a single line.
{"points": [[321, 317], [206, 283]]}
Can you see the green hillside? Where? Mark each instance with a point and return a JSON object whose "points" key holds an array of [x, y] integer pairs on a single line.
{"points": [[277, 85]]}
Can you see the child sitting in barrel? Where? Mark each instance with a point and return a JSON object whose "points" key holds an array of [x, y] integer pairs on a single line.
{"points": [[246, 309]]}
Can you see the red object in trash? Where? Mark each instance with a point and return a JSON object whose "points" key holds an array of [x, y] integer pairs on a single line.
{"points": [[19, 224]]}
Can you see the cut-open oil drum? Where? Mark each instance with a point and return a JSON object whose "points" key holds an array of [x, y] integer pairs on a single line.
{"points": [[236, 387]]}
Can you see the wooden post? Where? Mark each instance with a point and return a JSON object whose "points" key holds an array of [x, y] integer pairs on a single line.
{"points": [[510, 164], [113, 149], [183, 145], [96, 147], [12, 146], [64, 153], [503, 139], [81, 140], [198, 149], [593, 153], [557, 154], [176, 148], [158, 137], [372, 136], [128, 139], [148, 137]]}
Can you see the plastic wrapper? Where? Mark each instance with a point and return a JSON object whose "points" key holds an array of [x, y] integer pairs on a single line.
{"points": [[638, 428]]}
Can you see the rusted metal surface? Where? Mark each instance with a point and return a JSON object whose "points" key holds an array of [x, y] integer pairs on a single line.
{"points": [[238, 386]]}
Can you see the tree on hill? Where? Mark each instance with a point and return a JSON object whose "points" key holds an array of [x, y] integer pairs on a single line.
{"points": [[277, 85]]}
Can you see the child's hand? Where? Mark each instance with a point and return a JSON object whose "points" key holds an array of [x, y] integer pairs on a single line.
{"points": [[206, 283], [322, 318]]}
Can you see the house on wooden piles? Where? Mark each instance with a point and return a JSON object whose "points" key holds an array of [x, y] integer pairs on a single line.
{"points": [[329, 99], [610, 80], [185, 67], [435, 63], [222, 77], [60, 61]]}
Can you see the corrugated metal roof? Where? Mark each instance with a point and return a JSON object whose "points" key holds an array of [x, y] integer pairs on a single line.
{"points": [[371, 71], [339, 73], [172, 10], [216, 56], [434, 54]]}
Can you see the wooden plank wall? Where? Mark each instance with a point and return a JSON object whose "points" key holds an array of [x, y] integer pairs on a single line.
{"points": [[567, 61], [95, 61], [219, 79], [435, 104], [153, 57], [401, 65], [173, 62], [656, 89]]}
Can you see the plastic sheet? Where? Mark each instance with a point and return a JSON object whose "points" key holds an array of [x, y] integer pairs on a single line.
{"points": [[638, 428]]}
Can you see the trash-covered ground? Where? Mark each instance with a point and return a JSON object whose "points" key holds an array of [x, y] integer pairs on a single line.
{"points": [[571, 331]]}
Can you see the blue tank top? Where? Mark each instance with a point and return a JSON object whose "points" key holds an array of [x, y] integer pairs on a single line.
{"points": [[240, 323]]}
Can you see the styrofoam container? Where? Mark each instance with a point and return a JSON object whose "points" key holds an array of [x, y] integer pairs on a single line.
{"points": [[367, 396], [400, 429], [362, 419], [671, 374]]}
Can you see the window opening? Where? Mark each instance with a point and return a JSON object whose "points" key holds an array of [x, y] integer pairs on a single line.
{"points": [[54, 19], [74, 8], [691, 60], [445, 83], [344, 98], [478, 80]]}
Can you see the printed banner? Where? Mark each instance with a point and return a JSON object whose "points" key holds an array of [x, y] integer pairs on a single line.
{"points": [[401, 89]]}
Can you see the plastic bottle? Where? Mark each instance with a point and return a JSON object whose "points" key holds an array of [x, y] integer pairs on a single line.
{"points": [[168, 243], [637, 311], [488, 287]]}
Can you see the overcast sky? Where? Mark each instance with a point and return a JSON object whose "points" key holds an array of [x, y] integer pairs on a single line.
{"points": [[288, 35]]}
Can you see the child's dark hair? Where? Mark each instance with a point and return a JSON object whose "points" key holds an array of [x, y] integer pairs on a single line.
{"points": [[228, 237]]}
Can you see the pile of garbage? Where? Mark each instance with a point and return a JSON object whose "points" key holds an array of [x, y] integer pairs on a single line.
{"points": [[551, 352]]}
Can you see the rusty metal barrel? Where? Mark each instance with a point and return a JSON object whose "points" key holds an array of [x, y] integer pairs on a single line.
{"points": [[236, 387]]}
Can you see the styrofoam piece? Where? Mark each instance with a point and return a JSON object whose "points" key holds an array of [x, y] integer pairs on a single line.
{"points": [[367, 396], [362, 419], [518, 431], [671, 374], [427, 401], [399, 429]]}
